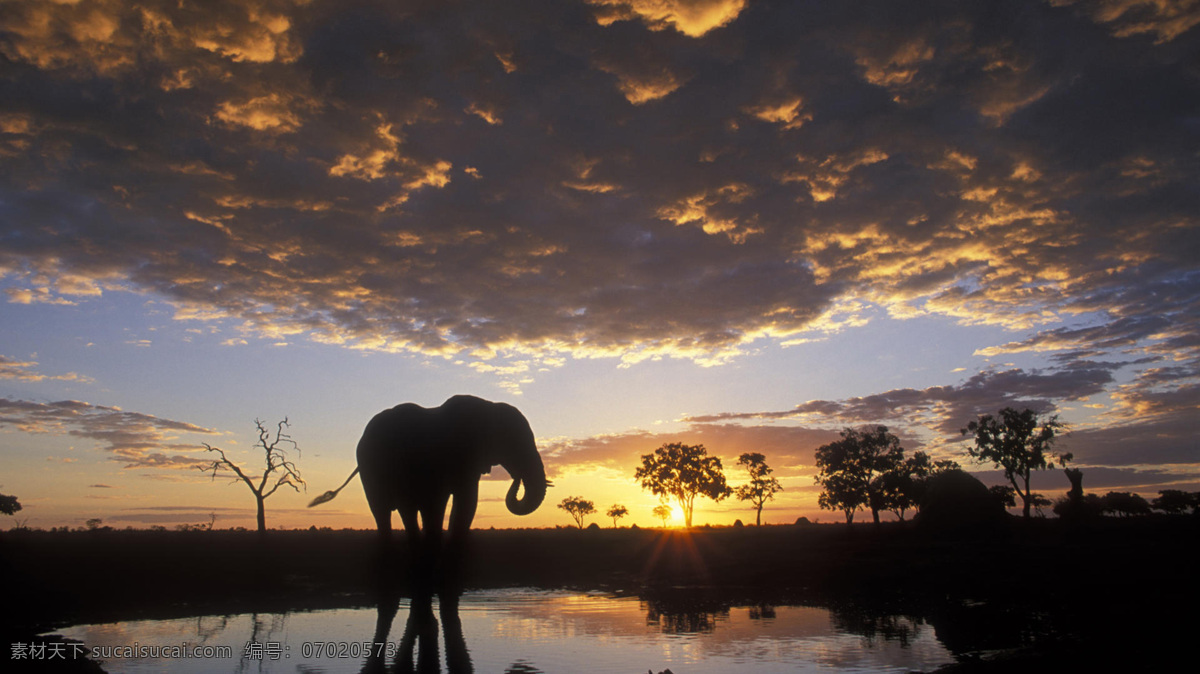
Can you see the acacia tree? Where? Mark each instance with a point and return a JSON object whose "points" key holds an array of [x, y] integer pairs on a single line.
{"points": [[617, 512], [1015, 443], [762, 487], [578, 508], [278, 467], [663, 512], [849, 468], [683, 472]]}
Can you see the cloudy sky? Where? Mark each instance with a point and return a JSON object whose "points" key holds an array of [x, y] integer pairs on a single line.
{"points": [[742, 223]]}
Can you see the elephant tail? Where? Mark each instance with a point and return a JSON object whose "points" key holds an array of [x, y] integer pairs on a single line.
{"points": [[328, 496]]}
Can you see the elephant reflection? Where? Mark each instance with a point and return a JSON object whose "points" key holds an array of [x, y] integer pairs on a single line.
{"points": [[421, 636], [413, 459]]}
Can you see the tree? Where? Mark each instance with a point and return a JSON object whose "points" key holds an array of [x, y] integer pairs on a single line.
{"points": [[578, 508], [683, 472], [663, 512], [9, 505], [1015, 443], [1124, 504], [903, 487], [1039, 501], [848, 468], [617, 512], [277, 462], [762, 487], [1172, 501], [1005, 494]]}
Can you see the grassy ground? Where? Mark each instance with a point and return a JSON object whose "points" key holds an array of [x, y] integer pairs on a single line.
{"points": [[1106, 591]]}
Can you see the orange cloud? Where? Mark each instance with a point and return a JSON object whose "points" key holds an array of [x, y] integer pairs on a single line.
{"points": [[693, 18]]}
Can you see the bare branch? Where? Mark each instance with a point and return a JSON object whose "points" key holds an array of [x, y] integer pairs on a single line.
{"points": [[275, 460]]}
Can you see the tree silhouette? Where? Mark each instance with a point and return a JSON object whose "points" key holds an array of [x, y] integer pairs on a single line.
{"points": [[1124, 504], [848, 468], [683, 472], [663, 512], [1015, 443], [277, 462], [1005, 494], [617, 512], [578, 508], [762, 487], [903, 487], [9, 504], [1172, 501]]}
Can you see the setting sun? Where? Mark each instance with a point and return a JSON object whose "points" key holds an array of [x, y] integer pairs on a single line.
{"points": [[677, 517]]}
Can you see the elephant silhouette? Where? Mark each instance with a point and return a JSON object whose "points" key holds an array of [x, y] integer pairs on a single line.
{"points": [[412, 459]]}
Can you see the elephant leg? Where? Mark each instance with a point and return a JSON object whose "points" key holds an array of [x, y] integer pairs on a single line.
{"points": [[383, 520], [412, 529], [385, 548], [431, 523], [430, 546], [462, 513]]}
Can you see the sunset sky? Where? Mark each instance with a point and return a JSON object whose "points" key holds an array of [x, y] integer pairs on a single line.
{"points": [[742, 223]]}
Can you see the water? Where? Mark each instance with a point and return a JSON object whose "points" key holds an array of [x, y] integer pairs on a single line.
{"points": [[529, 631]]}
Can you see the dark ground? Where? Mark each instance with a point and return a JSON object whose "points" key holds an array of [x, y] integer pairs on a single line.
{"points": [[1035, 596]]}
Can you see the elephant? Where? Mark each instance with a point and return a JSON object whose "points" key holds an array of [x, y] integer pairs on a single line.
{"points": [[412, 459]]}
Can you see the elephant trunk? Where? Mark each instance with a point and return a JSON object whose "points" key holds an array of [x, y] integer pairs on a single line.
{"points": [[535, 492]]}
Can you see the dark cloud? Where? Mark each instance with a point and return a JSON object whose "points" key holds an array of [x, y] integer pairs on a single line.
{"points": [[622, 179], [138, 440], [947, 409], [1152, 423], [442, 179]]}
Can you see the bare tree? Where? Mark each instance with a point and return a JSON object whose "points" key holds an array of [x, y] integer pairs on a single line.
{"points": [[278, 467]]}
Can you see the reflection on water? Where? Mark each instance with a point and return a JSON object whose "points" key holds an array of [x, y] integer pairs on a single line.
{"points": [[537, 631]]}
